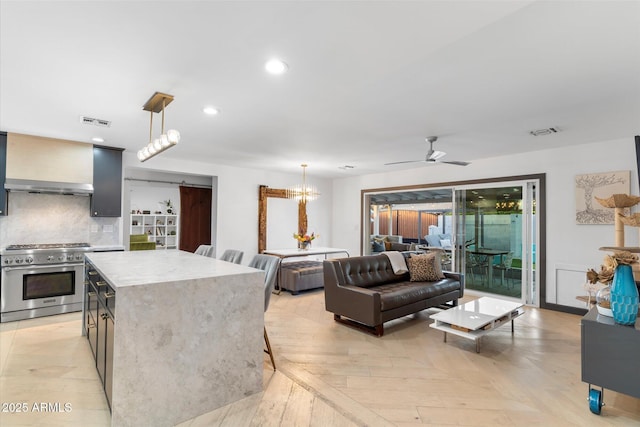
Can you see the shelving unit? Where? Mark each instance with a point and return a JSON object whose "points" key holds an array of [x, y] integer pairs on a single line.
{"points": [[162, 229]]}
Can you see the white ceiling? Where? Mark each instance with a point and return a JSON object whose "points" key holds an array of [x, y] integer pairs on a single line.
{"points": [[368, 81]]}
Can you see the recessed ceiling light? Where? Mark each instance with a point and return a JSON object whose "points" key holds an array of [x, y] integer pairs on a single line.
{"points": [[276, 66], [211, 110], [97, 139]]}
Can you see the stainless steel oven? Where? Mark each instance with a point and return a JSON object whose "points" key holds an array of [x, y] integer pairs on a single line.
{"points": [[41, 280]]}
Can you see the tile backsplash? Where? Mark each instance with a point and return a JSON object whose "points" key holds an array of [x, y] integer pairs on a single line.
{"points": [[49, 218]]}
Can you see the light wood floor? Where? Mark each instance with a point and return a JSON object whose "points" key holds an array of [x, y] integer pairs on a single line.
{"points": [[332, 375]]}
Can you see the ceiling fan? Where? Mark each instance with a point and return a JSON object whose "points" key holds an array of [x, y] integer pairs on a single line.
{"points": [[432, 156]]}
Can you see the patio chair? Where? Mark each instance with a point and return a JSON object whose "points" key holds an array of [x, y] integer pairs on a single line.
{"points": [[505, 267]]}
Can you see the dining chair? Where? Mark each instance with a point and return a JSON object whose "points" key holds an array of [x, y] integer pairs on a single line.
{"points": [[269, 264], [205, 250], [232, 255]]}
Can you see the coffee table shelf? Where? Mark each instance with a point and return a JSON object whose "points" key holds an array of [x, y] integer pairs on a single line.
{"points": [[476, 318]]}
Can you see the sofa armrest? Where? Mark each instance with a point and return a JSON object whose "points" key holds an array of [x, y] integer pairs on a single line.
{"points": [[456, 276], [360, 304]]}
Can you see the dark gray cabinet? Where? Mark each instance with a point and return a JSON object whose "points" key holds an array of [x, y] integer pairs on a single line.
{"points": [[90, 312], [99, 325], [106, 200], [3, 172], [610, 354]]}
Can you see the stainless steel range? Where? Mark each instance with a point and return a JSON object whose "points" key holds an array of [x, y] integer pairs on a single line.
{"points": [[41, 279]]}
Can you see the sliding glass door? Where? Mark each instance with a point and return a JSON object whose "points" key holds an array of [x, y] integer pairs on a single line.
{"points": [[495, 239], [487, 230]]}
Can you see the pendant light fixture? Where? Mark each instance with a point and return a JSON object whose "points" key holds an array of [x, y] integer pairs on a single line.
{"points": [[157, 104], [304, 192]]}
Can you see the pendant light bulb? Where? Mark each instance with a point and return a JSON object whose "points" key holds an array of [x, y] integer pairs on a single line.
{"points": [[164, 141], [173, 136]]}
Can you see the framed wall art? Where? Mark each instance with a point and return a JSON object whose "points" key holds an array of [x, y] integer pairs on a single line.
{"points": [[602, 185]]}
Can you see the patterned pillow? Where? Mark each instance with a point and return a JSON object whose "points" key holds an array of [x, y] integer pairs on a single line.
{"points": [[424, 268]]}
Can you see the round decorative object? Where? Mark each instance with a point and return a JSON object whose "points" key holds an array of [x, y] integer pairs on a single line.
{"points": [[624, 296], [595, 401], [603, 301]]}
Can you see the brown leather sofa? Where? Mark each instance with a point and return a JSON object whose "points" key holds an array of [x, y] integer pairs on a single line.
{"points": [[364, 292]]}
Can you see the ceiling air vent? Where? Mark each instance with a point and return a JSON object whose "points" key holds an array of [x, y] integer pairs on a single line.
{"points": [[96, 122], [545, 131]]}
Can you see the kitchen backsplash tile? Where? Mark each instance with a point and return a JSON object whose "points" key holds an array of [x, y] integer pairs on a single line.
{"points": [[49, 218]]}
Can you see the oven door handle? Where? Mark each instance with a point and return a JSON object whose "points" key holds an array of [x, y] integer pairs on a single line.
{"points": [[38, 267]]}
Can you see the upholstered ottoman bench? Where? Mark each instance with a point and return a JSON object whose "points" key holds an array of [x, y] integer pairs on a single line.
{"points": [[301, 276]]}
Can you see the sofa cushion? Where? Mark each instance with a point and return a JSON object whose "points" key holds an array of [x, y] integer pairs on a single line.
{"points": [[368, 271], [445, 243], [436, 239], [394, 295], [378, 246], [424, 267]]}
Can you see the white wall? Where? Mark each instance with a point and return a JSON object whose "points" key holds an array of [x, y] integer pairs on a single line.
{"points": [[567, 242], [150, 195], [237, 204]]}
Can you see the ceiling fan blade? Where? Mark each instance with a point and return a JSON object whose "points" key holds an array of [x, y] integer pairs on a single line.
{"points": [[455, 162], [435, 155], [404, 161]]}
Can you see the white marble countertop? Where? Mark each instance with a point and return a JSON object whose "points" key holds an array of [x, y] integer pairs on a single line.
{"points": [[132, 268]]}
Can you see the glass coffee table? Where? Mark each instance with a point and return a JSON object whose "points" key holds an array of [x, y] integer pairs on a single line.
{"points": [[477, 318]]}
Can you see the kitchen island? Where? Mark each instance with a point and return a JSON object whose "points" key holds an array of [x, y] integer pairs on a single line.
{"points": [[187, 333]]}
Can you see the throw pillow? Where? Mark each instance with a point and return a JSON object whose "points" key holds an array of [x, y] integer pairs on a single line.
{"points": [[387, 245], [378, 246], [424, 268], [445, 243]]}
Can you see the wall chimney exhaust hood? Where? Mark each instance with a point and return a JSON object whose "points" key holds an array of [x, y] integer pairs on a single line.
{"points": [[48, 187]]}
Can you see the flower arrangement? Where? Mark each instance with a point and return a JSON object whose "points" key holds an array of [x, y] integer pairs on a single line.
{"points": [[605, 275], [304, 238]]}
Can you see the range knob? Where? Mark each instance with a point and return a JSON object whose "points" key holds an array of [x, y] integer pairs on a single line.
{"points": [[70, 257], [50, 258], [18, 260], [61, 258], [29, 260], [8, 260], [79, 257]]}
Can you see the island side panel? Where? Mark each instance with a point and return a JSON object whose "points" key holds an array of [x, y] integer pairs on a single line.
{"points": [[186, 348]]}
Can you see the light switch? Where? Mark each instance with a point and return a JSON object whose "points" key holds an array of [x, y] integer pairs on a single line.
{"points": [[107, 228]]}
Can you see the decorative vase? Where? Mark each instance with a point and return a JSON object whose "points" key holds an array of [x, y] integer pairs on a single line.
{"points": [[304, 245], [603, 301], [624, 296]]}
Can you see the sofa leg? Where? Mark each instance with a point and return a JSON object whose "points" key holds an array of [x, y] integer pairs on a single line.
{"points": [[377, 330]]}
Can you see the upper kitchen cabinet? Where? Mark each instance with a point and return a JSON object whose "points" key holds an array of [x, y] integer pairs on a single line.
{"points": [[106, 200], [3, 172]]}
